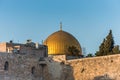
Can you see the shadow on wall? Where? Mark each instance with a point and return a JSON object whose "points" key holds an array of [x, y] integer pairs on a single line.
{"points": [[67, 72], [45, 73], [105, 77]]}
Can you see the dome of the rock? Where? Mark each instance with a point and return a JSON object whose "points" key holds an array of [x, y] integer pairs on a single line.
{"points": [[59, 42]]}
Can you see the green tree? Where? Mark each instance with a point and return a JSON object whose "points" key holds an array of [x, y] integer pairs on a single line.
{"points": [[97, 53], [107, 46], [89, 55], [101, 49], [116, 50], [73, 51]]}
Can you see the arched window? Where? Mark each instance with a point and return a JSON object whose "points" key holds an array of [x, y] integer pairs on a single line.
{"points": [[6, 66], [33, 70]]}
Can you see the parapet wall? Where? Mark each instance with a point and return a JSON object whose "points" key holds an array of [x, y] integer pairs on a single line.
{"points": [[96, 68]]}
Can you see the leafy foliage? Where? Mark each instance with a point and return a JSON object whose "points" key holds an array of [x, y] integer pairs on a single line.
{"points": [[90, 55], [107, 46], [73, 51], [109, 43], [116, 50]]}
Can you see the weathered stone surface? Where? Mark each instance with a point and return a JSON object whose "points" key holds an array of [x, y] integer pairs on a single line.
{"points": [[95, 68], [20, 67]]}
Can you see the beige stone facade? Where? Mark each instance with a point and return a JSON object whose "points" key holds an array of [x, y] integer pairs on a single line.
{"points": [[27, 49], [21, 67], [34, 66], [27, 67], [95, 68]]}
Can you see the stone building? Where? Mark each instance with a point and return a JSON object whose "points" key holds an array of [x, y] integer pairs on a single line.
{"points": [[26, 67], [28, 48], [22, 61], [32, 61]]}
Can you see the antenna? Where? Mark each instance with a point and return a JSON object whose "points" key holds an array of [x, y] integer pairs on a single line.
{"points": [[42, 42], [84, 51]]}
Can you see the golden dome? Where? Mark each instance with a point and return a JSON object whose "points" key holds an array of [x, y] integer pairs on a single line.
{"points": [[59, 41]]}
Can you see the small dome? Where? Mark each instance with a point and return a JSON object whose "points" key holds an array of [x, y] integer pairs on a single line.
{"points": [[59, 42]]}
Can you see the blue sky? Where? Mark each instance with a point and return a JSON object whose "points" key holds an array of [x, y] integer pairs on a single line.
{"points": [[88, 20]]}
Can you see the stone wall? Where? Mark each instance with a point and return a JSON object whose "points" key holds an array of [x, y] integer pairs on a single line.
{"points": [[3, 47], [21, 67], [41, 51], [27, 67], [94, 68]]}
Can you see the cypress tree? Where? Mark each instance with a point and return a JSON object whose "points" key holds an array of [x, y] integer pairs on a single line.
{"points": [[109, 44], [101, 48]]}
